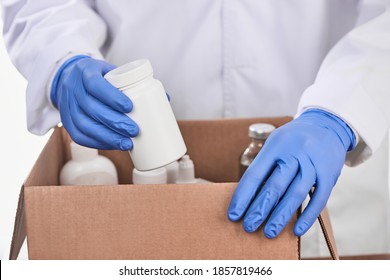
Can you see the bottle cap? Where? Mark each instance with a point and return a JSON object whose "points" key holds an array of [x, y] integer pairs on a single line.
{"points": [[186, 171], [81, 153], [260, 130], [129, 73], [154, 176]]}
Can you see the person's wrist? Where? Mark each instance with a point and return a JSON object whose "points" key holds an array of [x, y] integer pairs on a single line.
{"points": [[66, 64], [331, 121]]}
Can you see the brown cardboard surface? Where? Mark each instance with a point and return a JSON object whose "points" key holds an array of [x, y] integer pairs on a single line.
{"points": [[19, 233], [148, 222], [216, 146], [143, 222]]}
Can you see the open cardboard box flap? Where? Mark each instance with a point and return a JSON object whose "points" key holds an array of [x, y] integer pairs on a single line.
{"points": [[147, 221]]}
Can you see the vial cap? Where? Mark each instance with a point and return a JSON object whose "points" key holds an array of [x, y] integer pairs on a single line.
{"points": [[129, 73], [260, 130]]}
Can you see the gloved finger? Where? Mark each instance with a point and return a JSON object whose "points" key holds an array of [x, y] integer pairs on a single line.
{"points": [[87, 141], [250, 184], [84, 126], [316, 204], [112, 119], [105, 66], [292, 200], [274, 188], [100, 88], [73, 131]]}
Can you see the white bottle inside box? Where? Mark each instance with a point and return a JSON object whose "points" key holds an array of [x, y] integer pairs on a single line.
{"points": [[87, 167], [186, 174], [172, 172], [154, 176]]}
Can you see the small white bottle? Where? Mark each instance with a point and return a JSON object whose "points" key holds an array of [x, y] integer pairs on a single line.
{"points": [[87, 167], [159, 141], [187, 172], [155, 176]]}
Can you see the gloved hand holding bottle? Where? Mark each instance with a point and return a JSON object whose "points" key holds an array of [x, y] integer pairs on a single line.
{"points": [[92, 110], [308, 151]]}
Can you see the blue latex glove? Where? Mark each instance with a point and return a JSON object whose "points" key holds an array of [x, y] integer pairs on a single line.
{"points": [[308, 151], [91, 109]]}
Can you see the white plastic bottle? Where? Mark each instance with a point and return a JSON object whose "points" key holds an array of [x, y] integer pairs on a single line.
{"points": [[160, 141], [155, 176], [87, 167], [186, 173], [172, 172]]}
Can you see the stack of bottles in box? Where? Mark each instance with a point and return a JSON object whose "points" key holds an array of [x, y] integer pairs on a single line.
{"points": [[87, 167]]}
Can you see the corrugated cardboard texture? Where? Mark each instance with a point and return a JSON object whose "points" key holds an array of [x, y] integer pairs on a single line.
{"points": [[143, 222], [148, 222], [19, 233]]}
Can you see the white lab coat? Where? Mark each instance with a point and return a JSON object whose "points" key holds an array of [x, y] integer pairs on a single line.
{"points": [[225, 59]]}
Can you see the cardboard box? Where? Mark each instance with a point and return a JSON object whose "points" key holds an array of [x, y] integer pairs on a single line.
{"points": [[145, 221]]}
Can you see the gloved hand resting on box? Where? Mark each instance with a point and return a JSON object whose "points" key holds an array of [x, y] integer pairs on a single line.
{"points": [[91, 109], [308, 151]]}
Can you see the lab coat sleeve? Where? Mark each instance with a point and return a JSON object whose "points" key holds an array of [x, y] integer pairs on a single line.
{"points": [[39, 36], [354, 80]]}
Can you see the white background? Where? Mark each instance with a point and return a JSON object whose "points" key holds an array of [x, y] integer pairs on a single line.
{"points": [[19, 148], [319, 270]]}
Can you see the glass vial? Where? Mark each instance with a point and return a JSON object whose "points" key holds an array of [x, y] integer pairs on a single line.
{"points": [[258, 133]]}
